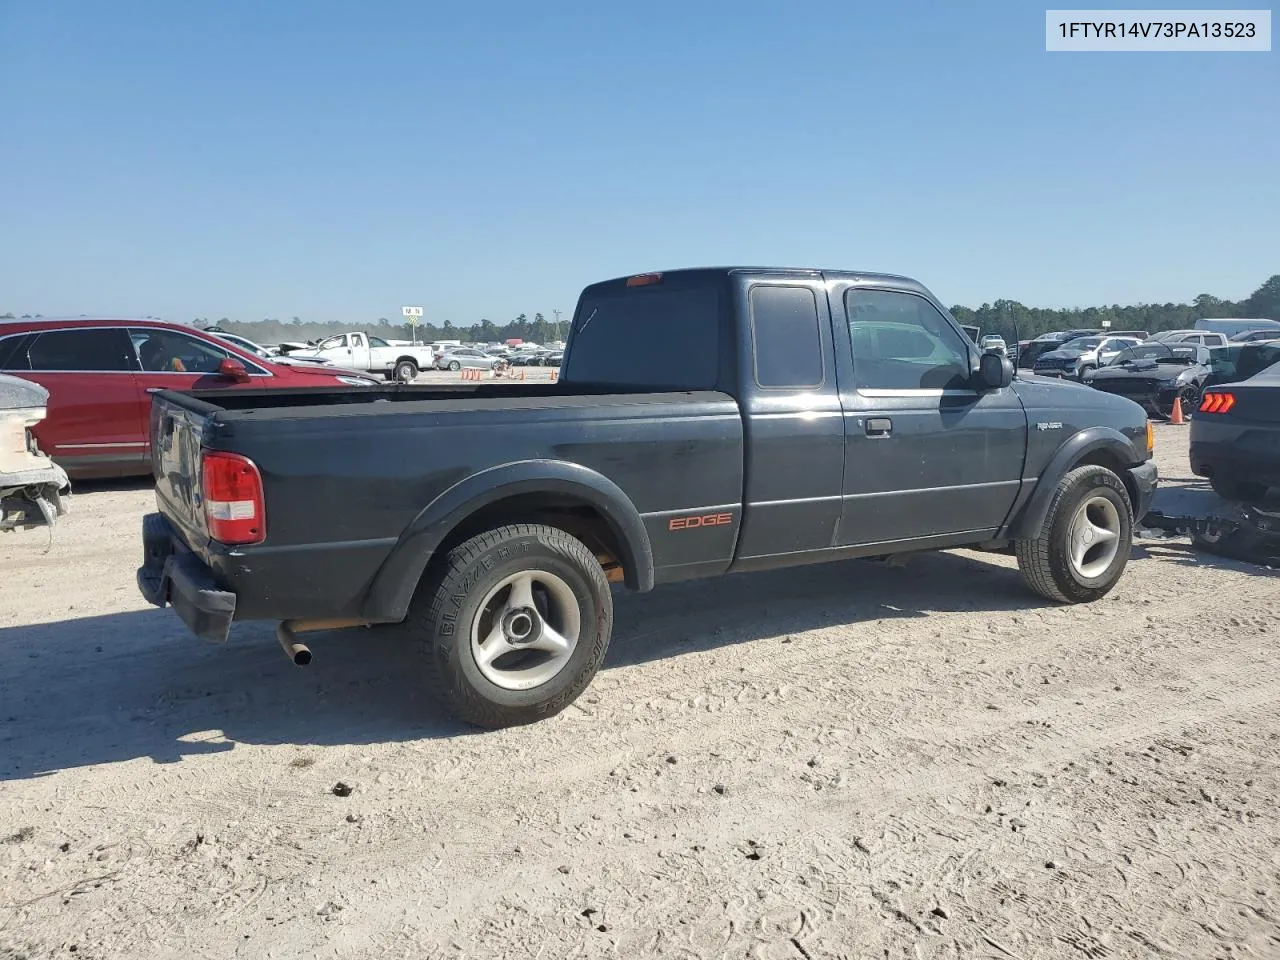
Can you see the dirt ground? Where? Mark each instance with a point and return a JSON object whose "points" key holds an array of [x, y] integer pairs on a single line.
{"points": [[840, 761]]}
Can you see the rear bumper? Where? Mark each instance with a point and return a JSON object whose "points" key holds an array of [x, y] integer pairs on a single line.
{"points": [[1251, 457], [1145, 477], [171, 575]]}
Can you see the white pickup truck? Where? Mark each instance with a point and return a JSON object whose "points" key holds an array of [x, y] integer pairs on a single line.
{"points": [[360, 351]]}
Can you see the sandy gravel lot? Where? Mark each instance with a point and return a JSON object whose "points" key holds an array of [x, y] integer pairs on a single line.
{"points": [[840, 761]]}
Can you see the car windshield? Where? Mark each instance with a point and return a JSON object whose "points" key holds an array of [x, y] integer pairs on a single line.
{"points": [[246, 345], [1081, 343], [1159, 352]]}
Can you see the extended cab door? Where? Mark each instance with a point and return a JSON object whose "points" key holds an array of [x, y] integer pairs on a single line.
{"points": [[361, 358], [336, 350], [926, 454], [793, 431]]}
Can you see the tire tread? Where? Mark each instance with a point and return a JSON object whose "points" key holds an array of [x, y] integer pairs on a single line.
{"points": [[427, 608], [1035, 554]]}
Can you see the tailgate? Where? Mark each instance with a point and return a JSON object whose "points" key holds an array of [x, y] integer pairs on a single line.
{"points": [[177, 429]]}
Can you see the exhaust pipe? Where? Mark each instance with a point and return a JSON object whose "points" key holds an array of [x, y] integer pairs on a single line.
{"points": [[294, 649]]}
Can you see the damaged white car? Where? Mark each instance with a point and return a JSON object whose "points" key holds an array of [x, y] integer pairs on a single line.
{"points": [[33, 489]]}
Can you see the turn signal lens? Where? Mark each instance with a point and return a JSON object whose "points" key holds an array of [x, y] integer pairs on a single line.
{"points": [[1151, 437]]}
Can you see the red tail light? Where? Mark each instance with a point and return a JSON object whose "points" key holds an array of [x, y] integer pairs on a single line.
{"points": [[233, 503], [1217, 402]]}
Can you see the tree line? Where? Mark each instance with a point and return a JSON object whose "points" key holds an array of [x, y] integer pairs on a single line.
{"points": [[1002, 317], [1005, 316]]}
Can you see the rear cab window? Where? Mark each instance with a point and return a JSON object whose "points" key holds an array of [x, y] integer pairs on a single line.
{"points": [[664, 334]]}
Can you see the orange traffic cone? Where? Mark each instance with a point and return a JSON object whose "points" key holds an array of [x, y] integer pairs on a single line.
{"points": [[1176, 417]]}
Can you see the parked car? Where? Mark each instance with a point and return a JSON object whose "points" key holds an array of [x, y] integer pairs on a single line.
{"points": [[1229, 327], [100, 375], [1079, 357], [33, 489], [994, 341], [1208, 339], [807, 416], [525, 358], [361, 351], [1042, 344], [1155, 374], [1250, 336], [1046, 342], [264, 353], [458, 358], [1240, 361], [1235, 436]]}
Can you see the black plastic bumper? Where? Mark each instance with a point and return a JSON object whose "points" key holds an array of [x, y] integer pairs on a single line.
{"points": [[171, 575], [1145, 478]]}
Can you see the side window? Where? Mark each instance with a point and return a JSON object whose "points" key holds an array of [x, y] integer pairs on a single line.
{"points": [[13, 354], [901, 342], [84, 350], [786, 336], [166, 351], [334, 343], [378, 342]]}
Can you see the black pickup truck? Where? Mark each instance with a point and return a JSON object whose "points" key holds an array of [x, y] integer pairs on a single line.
{"points": [[707, 421]]}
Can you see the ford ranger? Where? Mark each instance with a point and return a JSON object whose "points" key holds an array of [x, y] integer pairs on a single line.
{"points": [[708, 421]]}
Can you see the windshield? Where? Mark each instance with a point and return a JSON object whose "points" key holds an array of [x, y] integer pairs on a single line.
{"points": [[1159, 352], [246, 345], [1081, 344]]}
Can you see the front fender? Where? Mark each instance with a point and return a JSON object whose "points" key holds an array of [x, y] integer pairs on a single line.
{"points": [[1028, 521], [394, 585]]}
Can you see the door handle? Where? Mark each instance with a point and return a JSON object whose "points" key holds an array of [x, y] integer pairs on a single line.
{"points": [[879, 426]]}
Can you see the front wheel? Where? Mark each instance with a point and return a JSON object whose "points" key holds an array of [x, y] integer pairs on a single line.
{"points": [[1084, 545], [515, 624]]}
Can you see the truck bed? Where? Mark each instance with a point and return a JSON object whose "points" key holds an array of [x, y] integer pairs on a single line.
{"points": [[348, 473]]}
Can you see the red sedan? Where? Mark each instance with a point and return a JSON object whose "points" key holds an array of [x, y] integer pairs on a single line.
{"points": [[100, 374]]}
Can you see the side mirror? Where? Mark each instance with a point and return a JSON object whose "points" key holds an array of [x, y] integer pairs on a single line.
{"points": [[233, 370], [995, 372]]}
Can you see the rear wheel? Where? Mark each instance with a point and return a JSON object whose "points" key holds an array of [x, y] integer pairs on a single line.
{"points": [[406, 371], [1084, 545], [515, 624], [455, 366]]}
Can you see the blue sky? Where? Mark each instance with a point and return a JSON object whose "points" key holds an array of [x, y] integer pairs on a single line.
{"points": [[337, 160]]}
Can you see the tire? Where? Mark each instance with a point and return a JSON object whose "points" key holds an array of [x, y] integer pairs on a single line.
{"points": [[455, 366], [1086, 369], [1190, 397], [406, 371], [471, 600], [1242, 491], [1046, 562]]}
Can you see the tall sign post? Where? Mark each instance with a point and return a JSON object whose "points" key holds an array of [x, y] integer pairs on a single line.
{"points": [[413, 317]]}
